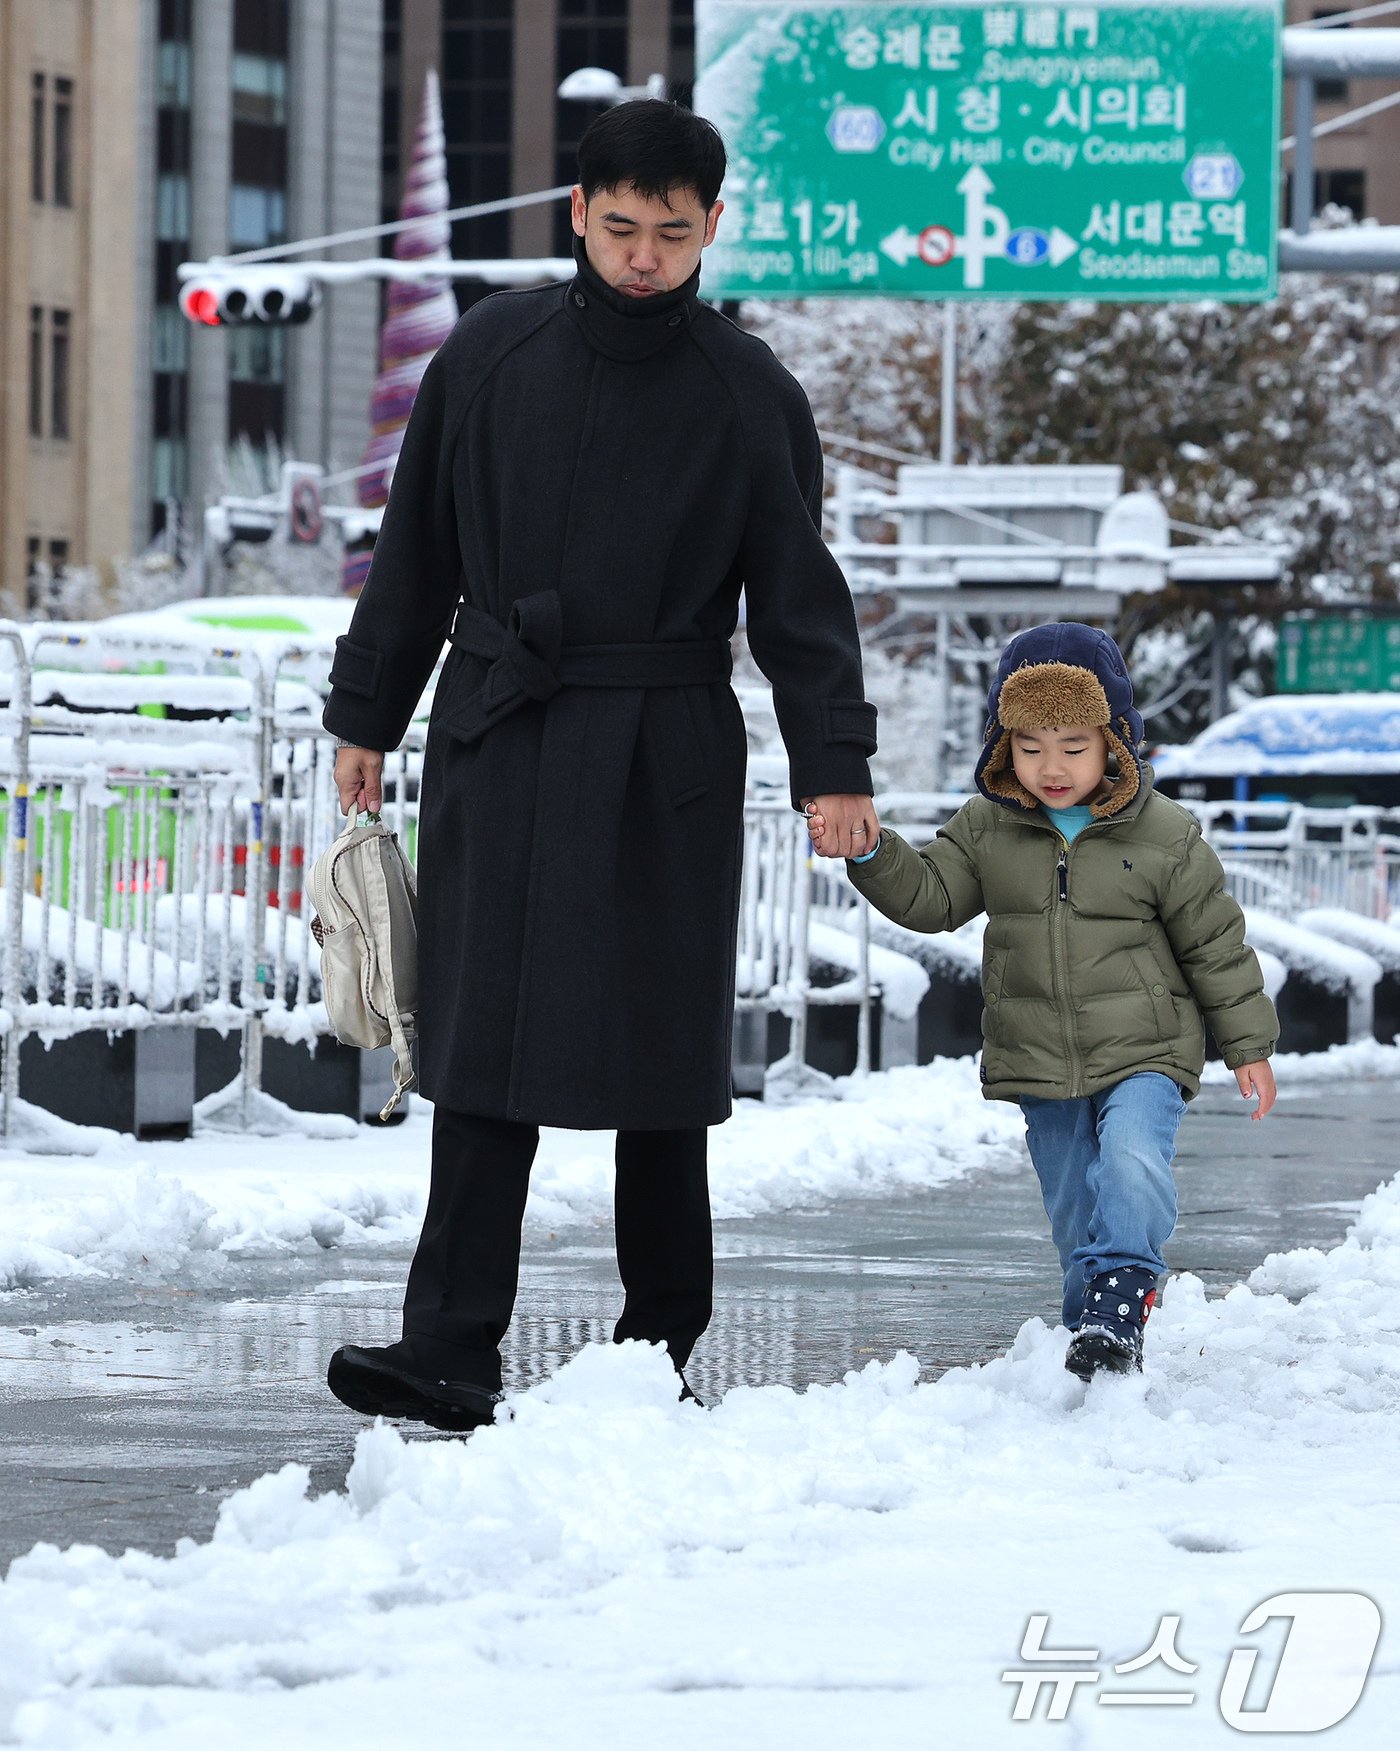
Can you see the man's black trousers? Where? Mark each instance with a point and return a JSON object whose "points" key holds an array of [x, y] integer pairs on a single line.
{"points": [[462, 1283]]}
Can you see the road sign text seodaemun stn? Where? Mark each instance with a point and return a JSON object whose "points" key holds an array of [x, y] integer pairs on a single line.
{"points": [[1112, 149]]}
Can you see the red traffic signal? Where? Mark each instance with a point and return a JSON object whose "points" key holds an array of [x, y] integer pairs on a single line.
{"points": [[251, 294]]}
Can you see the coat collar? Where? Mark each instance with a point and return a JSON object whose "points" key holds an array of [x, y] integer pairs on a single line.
{"points": [[624, 328]]}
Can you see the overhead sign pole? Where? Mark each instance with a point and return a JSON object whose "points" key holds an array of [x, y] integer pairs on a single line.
{"points": [[1116, 149]]}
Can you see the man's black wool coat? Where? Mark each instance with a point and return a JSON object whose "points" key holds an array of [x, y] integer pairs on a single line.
{"points": [[582, 470]]}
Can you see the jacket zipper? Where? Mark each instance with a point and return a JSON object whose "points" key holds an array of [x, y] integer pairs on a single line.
{"points": [[1058, 956]]}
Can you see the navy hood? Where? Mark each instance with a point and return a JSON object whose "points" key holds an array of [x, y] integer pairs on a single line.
{"points": [[1063, 673]]}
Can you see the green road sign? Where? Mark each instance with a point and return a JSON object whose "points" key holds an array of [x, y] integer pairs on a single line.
{"points": [[989, 150], [1337, 654]]}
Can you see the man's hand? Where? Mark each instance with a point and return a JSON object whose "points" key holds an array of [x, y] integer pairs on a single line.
{"points": [[1257, 1079], [841, 826], [359, 778]]}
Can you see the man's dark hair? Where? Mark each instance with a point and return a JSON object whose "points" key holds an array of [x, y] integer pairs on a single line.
{"points": [[656, 146]]}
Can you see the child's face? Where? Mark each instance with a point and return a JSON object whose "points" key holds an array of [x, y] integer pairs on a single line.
{"points": [[1058, 766]]}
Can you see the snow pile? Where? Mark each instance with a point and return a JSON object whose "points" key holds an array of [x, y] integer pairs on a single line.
{"points": [[343, 1185], [1273, 969], [901, 982], [150, 975], [1331, 964], [840, 1566], [1358, 1061], [950, 955], [1370, 935]]}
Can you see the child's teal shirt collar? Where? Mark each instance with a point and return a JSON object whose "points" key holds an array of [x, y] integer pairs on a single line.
{"points": [[1068, 822]]}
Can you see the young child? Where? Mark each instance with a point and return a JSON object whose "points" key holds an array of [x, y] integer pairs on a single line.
{"points": [[1109, 937]]}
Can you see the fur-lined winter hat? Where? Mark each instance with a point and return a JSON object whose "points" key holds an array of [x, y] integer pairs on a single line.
{"points": [[1051, 676]]}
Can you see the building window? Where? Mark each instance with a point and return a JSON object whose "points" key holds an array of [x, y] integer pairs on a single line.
{"points": [[171, 413], [58, 557], [38, 132], [63, 142], [171, 339], [257, 354], [172, 208], [59, 352], [478, 61], [173, 75], [257, 412], [173, 140], [259, 89], [174, 23], [168, 468], [36, 371], [592, 33], [1342, 188], [36, 583], [261, 27], [257, 217], [682, 67]]}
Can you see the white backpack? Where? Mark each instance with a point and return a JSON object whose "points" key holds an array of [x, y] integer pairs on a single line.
{"points": [[366, 924]]}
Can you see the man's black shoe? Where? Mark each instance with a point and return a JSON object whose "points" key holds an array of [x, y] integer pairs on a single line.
{"points": [[379, 1383]]}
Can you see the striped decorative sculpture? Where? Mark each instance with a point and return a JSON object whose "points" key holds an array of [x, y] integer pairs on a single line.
{"points": [[420, 317]]}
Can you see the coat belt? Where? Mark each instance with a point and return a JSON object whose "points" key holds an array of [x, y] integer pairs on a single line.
{"points": [[530, 661]]}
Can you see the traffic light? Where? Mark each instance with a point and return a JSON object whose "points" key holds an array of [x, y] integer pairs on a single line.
{"points": [[249, 294]]}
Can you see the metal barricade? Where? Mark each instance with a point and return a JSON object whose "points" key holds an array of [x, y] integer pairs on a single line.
{"points": [[154, 868]]}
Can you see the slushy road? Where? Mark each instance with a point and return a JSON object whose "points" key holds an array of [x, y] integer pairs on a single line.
{"points": [[127, 1413]]}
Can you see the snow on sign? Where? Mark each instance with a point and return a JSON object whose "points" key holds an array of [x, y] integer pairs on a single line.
{"points": [[1115, 149]]}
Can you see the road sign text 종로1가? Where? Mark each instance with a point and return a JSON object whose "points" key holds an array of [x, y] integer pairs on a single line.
{"points": [[1111, 150]]}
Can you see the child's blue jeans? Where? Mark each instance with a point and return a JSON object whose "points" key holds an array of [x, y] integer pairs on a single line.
{"points": [[1105, 1167]]}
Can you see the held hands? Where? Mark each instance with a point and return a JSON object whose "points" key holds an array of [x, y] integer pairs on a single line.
{"points": [[1257, 1079], [841, 826], [359, 779]]}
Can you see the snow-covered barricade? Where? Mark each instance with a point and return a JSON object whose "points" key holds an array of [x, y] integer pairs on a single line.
{"points": [[1329, 996]]}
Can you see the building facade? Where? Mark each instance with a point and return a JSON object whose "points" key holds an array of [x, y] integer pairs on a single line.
{"points": [[508, 132], [262, 126], [1357, 167], [69, 118], [139, 134]]}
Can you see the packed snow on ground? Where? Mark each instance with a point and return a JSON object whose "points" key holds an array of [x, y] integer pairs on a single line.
{"points": [[163, 1208], [85, 1202], [854, 1564]]}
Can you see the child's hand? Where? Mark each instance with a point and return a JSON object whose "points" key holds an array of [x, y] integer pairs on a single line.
{"points": [[1257, 1079], [841, 826]]}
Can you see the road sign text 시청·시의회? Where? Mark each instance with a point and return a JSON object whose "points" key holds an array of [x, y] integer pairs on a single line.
{"points": [[1112, 149]]}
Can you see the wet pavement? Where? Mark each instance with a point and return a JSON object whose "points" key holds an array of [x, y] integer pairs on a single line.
{"points": [[128, 1412]]}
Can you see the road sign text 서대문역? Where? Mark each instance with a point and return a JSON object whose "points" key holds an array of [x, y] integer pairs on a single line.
{"points": [[1113, 149]]}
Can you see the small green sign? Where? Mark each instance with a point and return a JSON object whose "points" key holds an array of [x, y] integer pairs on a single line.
{"points": [[1110, 150], [1338, 654]]}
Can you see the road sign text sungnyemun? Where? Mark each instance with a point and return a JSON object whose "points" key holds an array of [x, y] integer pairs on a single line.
{"points": [[1113, 149]]}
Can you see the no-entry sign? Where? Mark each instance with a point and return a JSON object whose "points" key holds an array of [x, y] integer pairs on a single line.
{"points": [[982, 150]]}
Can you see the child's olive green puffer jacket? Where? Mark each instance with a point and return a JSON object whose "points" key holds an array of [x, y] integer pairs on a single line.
{"points": [[1100, 957]]}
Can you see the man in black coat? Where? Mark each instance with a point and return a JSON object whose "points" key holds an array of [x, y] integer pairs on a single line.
{"points": [[590, 476]]}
